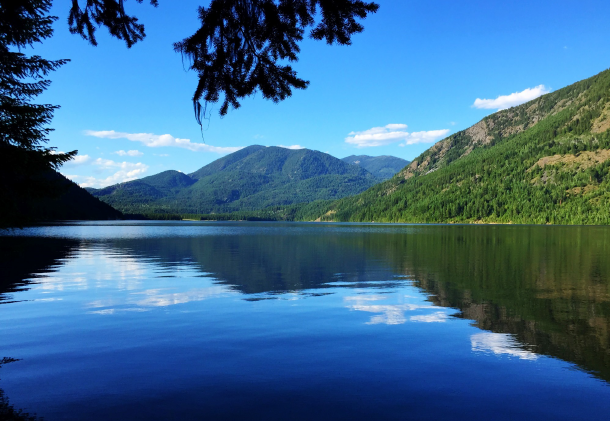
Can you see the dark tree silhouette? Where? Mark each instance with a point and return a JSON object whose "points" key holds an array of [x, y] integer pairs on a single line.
{"points": [[243, 46], [24, 159], [8, 411], [108, 13]]}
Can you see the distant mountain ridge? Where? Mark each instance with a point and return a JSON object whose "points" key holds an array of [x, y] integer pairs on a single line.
{"points": [[382, 167], [252, 178], [226, 161], [545, 161]]}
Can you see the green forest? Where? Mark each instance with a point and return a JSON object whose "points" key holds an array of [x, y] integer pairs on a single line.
{"points": [[254, 178], [543, 162], [382, 167]]}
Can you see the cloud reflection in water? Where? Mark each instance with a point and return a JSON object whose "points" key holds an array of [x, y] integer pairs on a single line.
{"points": [[500, 344], [159, 297], [393, 314]]}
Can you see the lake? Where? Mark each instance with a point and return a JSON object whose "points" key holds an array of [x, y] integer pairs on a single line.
{"points": [[305, 321]]}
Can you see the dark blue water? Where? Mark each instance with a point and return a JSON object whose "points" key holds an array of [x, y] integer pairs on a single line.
{"points": [[269, 321]]}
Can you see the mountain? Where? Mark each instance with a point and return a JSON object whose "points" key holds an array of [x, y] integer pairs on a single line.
{"points": [[145, 190], [382, 167], [546, 161], [224, 162], [252, 178]]}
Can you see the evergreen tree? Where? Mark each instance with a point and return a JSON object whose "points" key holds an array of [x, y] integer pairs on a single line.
{"points": [[241, 44], [108, 13], [24, 158]]}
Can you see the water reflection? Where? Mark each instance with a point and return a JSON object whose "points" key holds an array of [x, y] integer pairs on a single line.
{"points": [[549, 287], [531, 291], [261, 263], [23, 260], [500, 344], [8, 412], [394, 314], [150, 298]]}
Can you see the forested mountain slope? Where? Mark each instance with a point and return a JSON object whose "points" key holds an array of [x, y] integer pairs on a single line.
{"points": [[382, 167], [546, 161], [145, 190], [253, 178], [70, 202]]}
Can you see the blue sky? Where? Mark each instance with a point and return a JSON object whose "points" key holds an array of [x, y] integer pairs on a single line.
{"points": [[411, 78]]}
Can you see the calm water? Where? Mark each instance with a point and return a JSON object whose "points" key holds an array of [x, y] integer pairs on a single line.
{"points": [[269, 321]]}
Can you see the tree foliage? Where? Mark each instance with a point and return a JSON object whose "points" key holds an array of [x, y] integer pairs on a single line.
{"points": [[108, 13], [23, 78], [7, 411], [25, 159], [242, 46]]}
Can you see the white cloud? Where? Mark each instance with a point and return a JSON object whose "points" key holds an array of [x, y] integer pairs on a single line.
{"points": [[78, 160], [396, 126], [128, 153], [292, 147], [430, 136], [378, 136], [123, 171], [506, 101], [392, 133], [156, 141], [161, 154]]}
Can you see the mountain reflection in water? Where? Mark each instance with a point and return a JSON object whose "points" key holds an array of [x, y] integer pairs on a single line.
{"points": [[532, 290]]}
